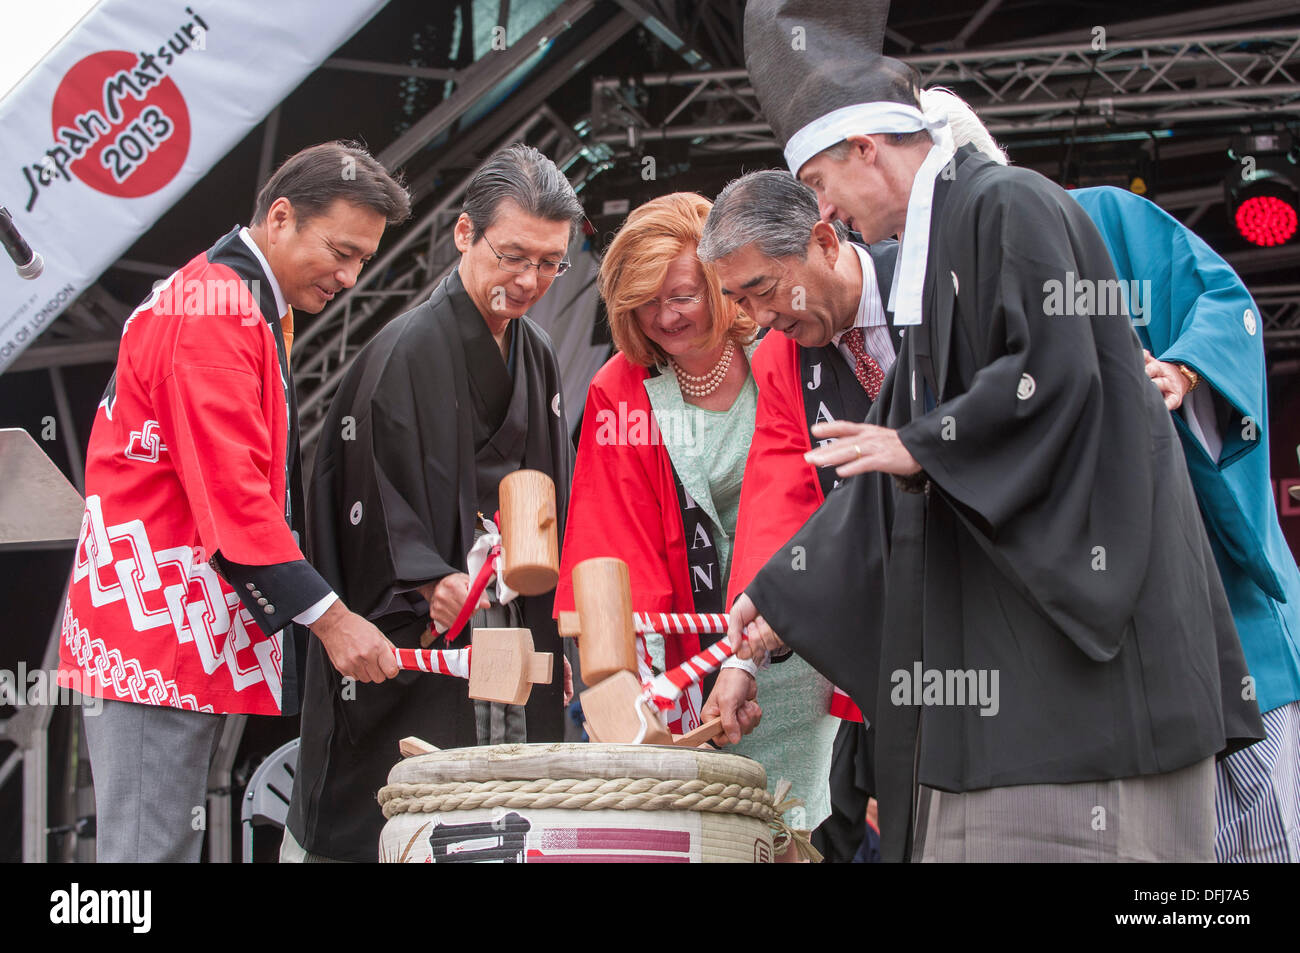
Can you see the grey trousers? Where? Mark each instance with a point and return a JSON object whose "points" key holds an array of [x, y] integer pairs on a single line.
{"points": [[150, 765], [496, 723], [1154, 818]]}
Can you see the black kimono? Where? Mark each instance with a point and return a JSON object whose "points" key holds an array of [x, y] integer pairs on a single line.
{"points": [[1052, 537], [424, 425]]}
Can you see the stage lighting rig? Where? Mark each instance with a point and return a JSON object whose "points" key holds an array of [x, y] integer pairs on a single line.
{"points": [[1262, 188]]}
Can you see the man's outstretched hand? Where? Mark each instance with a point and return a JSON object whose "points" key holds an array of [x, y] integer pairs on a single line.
{"points": [[861, 448], [355, 647], [759, 641], [732, 700]]}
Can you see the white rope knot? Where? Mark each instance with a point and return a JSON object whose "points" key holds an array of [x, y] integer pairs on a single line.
{"points": [[783, 833]]}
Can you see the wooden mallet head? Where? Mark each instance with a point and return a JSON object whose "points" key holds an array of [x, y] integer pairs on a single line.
{"points": [[504, 668], [529, 535], [602, 596], [610, 710]]}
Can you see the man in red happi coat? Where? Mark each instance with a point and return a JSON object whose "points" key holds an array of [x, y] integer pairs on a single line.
{"points": [[190, 595]]}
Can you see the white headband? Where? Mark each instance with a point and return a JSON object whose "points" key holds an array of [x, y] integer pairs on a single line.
{"points": [[865, 119]]}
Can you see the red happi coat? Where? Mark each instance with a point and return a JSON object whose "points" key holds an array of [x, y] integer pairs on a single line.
{"points": [[624, 500], [780, 490], [187, 457], [624, 503]]}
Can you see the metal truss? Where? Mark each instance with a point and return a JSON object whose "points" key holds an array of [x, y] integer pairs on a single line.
{"points": [[1148, 83], [1279, 311], [1153, 82], [1019, 91], [479, 79]]}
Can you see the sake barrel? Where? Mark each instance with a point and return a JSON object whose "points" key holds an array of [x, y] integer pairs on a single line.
{"points": [[576, 803]]}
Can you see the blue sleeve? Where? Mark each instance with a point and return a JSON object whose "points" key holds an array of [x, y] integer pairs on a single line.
{"points": [[1191, 308], [1188, 307]]}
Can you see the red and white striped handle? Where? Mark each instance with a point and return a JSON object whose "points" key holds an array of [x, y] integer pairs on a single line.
{"points": [[440, 661], [681, 623], [678, 680], [665, 689]]}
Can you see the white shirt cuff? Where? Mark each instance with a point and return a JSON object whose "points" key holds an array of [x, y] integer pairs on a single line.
{"points": [[313, 612]]}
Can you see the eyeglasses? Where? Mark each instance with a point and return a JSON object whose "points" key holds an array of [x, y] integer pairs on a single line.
{"points": [[517, 265], [678, 304]]}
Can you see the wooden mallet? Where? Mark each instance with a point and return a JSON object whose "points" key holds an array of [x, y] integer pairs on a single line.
{"points": [[611, 712], [530, 539], [504, 667], [529, 544], [604, 624], [602, 596], [500, 664]]}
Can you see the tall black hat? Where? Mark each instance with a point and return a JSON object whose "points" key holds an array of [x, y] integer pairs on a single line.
{"points": [[817, 67], [820, 76]]}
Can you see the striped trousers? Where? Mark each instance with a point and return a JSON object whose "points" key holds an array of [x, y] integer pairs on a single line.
{"points": [[1257, 795]]}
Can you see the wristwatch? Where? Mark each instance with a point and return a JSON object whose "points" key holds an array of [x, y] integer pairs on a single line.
{"points": [[1193, 378]]}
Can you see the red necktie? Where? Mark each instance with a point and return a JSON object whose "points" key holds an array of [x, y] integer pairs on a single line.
{"points": [[867, 371]]}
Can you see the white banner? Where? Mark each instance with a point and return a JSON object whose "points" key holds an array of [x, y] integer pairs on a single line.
{"points": [[126, 114]]}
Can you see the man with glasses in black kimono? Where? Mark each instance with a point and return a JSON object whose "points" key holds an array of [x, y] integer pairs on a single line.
{"points": [[445, 401]]}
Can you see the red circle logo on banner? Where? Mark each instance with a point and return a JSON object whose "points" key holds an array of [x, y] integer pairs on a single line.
{"points": [[140, 119]]}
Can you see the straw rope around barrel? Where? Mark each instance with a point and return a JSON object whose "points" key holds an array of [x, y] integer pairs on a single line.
{"points": [[589, 794]]}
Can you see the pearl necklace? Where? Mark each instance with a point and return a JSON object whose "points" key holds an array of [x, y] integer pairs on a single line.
{"points": [[705, 384]]}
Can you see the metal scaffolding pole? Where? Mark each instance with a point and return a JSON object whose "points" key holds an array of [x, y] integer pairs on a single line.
{"points": [[478, 79], [1240, 74]]}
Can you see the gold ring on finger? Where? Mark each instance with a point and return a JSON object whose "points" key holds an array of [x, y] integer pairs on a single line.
{"points": [[858, 449]]}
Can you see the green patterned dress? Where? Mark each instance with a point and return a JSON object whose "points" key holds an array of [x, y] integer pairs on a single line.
{"points": [[794, 739]]}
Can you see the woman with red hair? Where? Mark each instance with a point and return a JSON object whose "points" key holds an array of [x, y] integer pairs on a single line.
{"points": [[665, 434]]}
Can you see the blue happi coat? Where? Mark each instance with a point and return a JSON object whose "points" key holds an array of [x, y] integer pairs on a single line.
{"points": [[1195, 311]]}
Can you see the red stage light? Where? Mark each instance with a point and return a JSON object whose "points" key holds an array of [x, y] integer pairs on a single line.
{"points": [[1266, 220]]}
